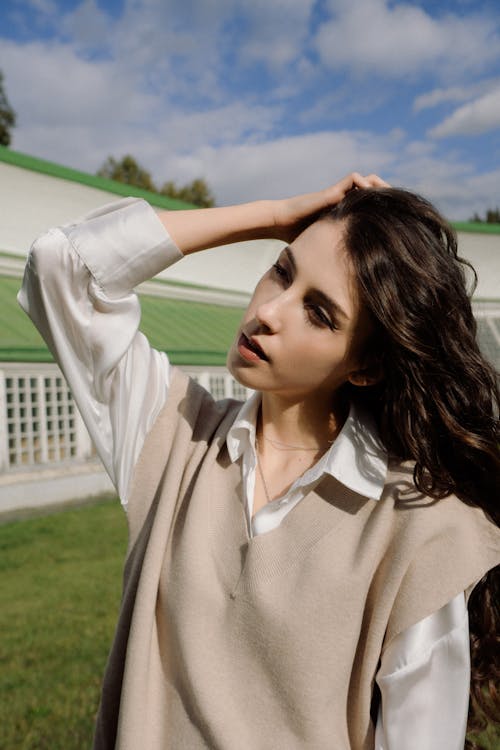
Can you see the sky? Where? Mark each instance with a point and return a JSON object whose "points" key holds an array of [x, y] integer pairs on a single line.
{"points": [[264, 98]]}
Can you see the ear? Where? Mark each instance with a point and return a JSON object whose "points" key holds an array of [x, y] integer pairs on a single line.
{"points": [[366, 376]]}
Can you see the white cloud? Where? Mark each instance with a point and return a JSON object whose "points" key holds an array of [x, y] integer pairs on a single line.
{"points": [[438, 96], [403, 40], [344, 100], [88, 25], [420, 149], [155, 82], [74, 111], [276, 31], [49, 84], [451, 183], [479, 116], [44, 7], [98, 108], [285, 166], [232, 123], [453, 94]]}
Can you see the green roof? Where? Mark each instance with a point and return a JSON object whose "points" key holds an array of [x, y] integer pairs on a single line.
{"points": [[34, 164], [192, 333]]}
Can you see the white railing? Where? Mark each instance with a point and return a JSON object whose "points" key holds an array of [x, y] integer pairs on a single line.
{"points": [[40, 424]]}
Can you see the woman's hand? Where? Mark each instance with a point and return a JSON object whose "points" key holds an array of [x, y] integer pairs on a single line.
{"points": [[291, 215]]}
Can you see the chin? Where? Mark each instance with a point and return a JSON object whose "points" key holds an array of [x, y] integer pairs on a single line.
{"points": [[239, 373], [245, 375]]}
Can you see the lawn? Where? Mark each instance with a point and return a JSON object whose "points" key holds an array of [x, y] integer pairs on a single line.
{"points": [[60, 581]]}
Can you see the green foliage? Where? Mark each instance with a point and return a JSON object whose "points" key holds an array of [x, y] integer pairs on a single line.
{"points": [[7, 116], [492, 217], [196, 192], [128, 171], [60, 582]]}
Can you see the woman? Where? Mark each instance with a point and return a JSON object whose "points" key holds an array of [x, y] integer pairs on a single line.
{"points": [[292, 580]]}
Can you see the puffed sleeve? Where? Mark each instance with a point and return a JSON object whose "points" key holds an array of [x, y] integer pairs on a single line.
{"points": [[78, 289]]}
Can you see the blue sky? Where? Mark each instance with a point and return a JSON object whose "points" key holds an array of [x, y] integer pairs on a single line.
{"points": [[264, 98]]}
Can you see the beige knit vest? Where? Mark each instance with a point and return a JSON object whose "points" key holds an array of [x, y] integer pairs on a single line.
{"points": [[269, 643]]}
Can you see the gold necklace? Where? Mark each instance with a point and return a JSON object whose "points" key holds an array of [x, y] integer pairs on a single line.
{"points": [[259, 467], [288, 447], [266, 491]]}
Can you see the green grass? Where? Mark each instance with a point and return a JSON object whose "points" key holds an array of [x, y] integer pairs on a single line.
{"points": [[60, 581]]}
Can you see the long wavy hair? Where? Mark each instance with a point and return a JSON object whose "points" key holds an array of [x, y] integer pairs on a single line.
{"points": [[438, 400]]}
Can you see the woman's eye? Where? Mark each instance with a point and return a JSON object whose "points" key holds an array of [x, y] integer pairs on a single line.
{"points": [[280, 271], [319, 318]]}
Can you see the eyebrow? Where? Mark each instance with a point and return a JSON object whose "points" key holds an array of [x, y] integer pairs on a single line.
{"points": [[321, 296]]}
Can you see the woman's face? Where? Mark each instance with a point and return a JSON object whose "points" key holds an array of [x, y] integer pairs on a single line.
{"points": [[303, 332]]}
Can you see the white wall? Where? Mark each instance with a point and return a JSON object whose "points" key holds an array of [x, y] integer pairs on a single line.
{"points": [[31, 202]]}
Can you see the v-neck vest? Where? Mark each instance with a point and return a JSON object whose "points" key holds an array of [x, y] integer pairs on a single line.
{"points": [[226, 641]]}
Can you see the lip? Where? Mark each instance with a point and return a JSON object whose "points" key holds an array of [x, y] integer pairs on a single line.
{"points": [[251, 350]]}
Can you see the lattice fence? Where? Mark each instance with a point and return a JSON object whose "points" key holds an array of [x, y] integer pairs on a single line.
{"points": [[40, 424]]}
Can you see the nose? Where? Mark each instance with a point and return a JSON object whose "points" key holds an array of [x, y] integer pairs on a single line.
{"points": [[268, 314]]}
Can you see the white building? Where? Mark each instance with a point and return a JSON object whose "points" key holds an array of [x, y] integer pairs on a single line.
{"points": [[42, 436]]}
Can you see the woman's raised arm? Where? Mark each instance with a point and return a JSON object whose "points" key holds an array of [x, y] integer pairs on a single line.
{"points": [[198, 229]]}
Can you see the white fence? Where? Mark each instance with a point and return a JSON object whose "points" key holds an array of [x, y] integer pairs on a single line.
{"points": [[40, 424]]}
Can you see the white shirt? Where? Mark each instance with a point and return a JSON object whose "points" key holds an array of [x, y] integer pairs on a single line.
{"points": [[78, 289], [357, 458]]}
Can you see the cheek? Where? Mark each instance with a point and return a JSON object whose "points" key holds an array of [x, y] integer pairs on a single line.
{"points": [[317, 354]]}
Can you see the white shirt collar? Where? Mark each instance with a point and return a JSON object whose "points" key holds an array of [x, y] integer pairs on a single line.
{"points": [[357, 458]]}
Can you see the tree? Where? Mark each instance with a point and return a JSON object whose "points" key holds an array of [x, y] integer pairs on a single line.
{"points": [[196, 192], [492, 217], [7, 116], [127, 170]]}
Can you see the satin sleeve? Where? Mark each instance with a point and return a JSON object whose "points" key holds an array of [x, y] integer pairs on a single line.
{"points": [[424, 680], [78, 289]]}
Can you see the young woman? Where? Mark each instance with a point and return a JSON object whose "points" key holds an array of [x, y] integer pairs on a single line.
{"points": [[299, 566]]}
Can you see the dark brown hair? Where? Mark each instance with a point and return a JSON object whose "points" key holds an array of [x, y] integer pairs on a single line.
{"points": [[438, 400]]}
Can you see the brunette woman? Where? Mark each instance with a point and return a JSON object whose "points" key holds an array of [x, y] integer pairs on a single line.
{"points": [[299, 566]]}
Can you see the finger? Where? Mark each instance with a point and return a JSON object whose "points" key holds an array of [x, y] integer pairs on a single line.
{"points": [[376, 181], [337, 191], [359, 181]]}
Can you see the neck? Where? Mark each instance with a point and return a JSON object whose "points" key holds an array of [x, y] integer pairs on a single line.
{"points": [[306, 423]]}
